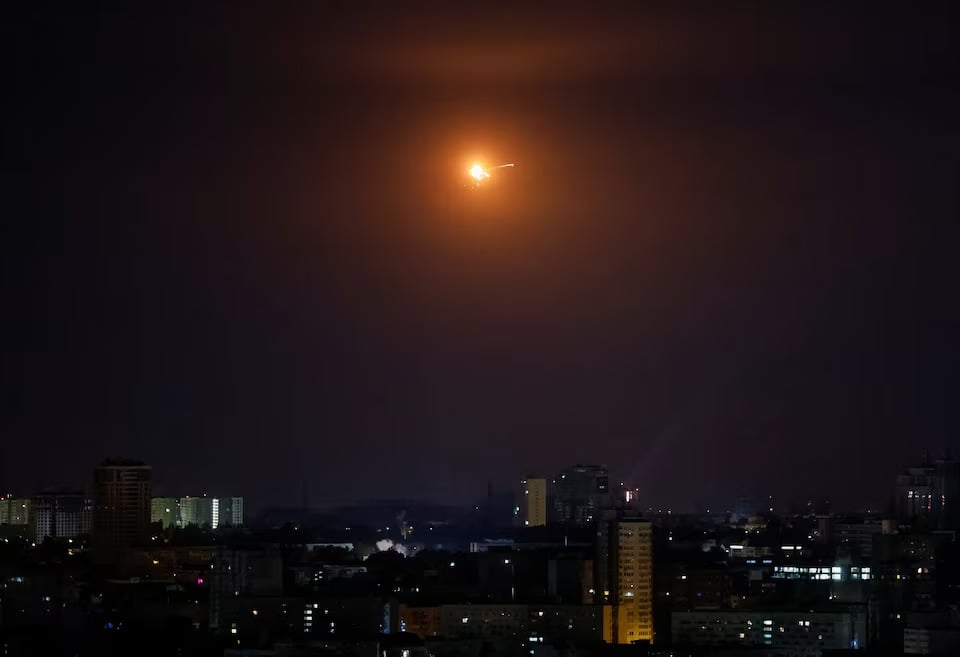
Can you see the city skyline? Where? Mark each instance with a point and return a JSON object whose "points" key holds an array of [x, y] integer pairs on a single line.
{"points": [[577, 494], [585, 567]]}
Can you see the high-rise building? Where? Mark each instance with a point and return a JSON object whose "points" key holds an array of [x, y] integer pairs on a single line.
{"points": [[914, 493], [582, 494], [230, 512], [624, 577], [14, 510], [166, 511], [196, 511], [211, 512], [932, 491], [121, 517], [60, 515], [534, 502]]}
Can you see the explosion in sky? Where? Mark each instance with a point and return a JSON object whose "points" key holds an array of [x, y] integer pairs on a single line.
{"points": [[479, 173]]}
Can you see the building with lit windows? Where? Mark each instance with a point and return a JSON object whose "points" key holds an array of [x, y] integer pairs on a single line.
{"points": [[229, 512], [211, 512], [497, 621], [196, 511], [420, 620], [932, 491], [837, 573], [165, 510], [582, 493], [529, 624], [349, 616], [801, 633], [60, 515], [242, 573], [624, 577], [534, 502], [14, 511], [915, 493], [853, 535]]}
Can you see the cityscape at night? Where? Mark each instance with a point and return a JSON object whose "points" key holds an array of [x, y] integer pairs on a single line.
{"points": [[441, 329], [564, 563]]}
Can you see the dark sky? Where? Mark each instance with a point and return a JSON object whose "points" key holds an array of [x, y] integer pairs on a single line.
{"points": [[238, 247]]}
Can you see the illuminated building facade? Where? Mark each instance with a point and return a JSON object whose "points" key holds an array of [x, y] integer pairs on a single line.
{"points": [[624, 577], [196, 511], [60, 515], [420, 620], [230, 512], [535, 493], [14, 511], [210, 512], [165, 510]]}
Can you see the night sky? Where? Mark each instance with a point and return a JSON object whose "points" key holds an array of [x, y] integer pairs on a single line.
{"points": [[238, 246]]}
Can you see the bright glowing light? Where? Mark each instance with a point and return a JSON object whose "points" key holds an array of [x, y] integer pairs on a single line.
{"points": [[478, 173]]}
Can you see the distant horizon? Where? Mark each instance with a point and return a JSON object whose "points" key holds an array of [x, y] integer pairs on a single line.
{"points": [[251, 505]]}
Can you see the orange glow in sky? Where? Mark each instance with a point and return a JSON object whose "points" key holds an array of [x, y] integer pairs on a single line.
{"points": [[479, 173]]}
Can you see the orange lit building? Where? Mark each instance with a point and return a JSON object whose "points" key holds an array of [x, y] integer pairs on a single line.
{"points": [[422, 621], [535, 501], [625, 578]]}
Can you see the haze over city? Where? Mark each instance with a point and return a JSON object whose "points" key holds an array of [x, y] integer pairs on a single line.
{"points": [[241, 249]]}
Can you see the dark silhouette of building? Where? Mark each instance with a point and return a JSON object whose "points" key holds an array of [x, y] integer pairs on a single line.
{"points": [[582, 492], [121, 517]]}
